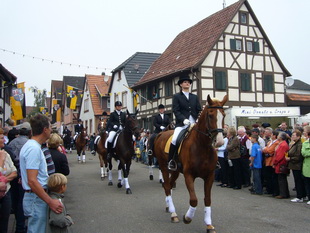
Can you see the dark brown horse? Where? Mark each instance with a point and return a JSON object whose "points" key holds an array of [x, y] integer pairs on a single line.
{"points": [[80, 144], [124, 149], [197, 158]]}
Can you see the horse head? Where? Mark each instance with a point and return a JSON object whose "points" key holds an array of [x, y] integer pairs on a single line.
{"points": [[102, 125], [132, 123], [212, 120], [84, 132]]}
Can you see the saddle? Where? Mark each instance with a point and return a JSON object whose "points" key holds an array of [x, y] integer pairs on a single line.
{"points": [[114, 140], [180, 139]]}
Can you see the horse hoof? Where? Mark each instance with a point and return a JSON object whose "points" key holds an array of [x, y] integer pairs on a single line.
{"points": [[175, 219], [167, 209], [186, 220], [110, 183], [151, 177], [119, 185], [102, 177], [128, 191], [161, 181], [210, 229]]}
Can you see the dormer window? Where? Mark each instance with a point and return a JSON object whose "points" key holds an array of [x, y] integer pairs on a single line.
{"points": [[243, 18]]}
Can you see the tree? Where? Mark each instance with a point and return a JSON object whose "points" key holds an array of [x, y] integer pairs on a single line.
{"points": [[39, 100]]}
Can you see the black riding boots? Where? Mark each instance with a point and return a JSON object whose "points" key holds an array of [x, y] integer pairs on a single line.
{"points": [[109, 150], [172, 165]]}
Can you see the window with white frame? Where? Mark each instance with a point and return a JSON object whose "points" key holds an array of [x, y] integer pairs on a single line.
{"points": [[124, 99], [86, 105]]}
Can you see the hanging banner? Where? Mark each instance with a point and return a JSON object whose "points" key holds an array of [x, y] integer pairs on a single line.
{"points": [[56, 109], [18, 102], [71, 97]]}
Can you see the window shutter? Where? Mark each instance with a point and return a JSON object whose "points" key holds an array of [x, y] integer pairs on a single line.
{"points": [[232, 44], [220, 80], [245, 82], [268, 83], [256, 47]]}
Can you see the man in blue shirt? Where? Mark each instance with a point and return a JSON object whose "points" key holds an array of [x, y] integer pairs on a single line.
{"points": [[256, 165], [34, 176]]}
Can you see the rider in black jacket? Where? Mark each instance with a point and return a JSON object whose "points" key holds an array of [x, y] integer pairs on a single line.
{"points": [[116, 122], [186, 108]]}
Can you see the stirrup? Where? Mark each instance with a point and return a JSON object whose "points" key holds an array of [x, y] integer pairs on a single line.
{"points": [[172, 165], [149, 152]]}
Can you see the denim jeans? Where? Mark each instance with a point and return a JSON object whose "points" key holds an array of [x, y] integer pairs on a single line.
{"points": [[36, 211], [257, 180]]}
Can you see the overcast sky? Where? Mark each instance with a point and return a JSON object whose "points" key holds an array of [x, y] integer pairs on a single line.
{"points": [[104, 33]]}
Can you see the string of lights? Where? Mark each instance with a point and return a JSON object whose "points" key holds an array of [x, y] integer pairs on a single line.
{"points": [[79, 65], [55, 61]]}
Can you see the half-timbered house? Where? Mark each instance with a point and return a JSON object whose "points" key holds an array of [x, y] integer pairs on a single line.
{"points": [[225, 53]]}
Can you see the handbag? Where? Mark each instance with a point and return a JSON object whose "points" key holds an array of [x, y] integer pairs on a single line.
{"points": [[284, 169]]}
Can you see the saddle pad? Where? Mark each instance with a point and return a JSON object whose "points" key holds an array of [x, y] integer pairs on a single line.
{"points": [[167, 146], [180, 139]]}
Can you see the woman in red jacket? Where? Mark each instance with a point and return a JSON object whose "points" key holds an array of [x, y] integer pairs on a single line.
{"points": [[279, 159]]}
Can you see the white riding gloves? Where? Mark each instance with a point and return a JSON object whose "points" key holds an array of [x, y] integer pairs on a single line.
{"points": [[186, 122], [115, 127], [162, 127]]}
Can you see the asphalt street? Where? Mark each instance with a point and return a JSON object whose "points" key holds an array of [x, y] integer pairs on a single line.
{"points": [[96, 207]]}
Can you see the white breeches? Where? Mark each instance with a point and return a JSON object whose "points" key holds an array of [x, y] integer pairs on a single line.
{"points": [[176, 133], [111, 136]]}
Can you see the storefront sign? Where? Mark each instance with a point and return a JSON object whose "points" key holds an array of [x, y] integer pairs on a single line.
{"points": [[266, 112]]}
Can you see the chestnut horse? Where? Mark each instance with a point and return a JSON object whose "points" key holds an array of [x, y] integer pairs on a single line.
{"points": [[124, 150], [151, 156], [100, 148], [197, 158], [80, 144]]}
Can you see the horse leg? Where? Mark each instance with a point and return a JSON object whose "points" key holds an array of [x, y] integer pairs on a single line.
{"points": [[189, 181], [126, 182], [151, 167], [101, 167], [110, 172], [83, 156], [207, 188], [169, 202], [79, 156], [160, 176]]}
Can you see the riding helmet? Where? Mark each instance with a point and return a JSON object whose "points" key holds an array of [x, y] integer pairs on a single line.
{"points": [[118, 103]]}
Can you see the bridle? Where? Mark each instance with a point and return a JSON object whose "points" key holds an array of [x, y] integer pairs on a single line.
{"points": [[209, 132], [132, 131]]}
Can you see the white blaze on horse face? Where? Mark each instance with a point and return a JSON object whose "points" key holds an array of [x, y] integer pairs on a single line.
{"points": [[219, 138]]}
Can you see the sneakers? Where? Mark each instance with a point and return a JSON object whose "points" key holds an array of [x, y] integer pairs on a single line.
{"points": [[297, 200]]}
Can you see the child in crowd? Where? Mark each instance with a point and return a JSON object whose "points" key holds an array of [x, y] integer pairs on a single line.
{"points": [[256, 165], [57, 185]]}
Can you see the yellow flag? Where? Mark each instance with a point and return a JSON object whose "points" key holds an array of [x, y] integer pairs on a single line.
{"points": [[71, 97], [18, 102]]}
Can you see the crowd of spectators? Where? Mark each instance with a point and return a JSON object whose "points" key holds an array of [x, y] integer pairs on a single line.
{"points": [[261, 158]]}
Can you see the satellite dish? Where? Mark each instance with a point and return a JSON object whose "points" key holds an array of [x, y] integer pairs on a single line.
{"points": [[289, 82]]}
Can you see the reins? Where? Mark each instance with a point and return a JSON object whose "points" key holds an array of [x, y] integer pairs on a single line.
{"points": [[209, 132]]}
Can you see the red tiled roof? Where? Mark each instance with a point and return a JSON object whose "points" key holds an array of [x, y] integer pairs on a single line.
{"points": [[97, 84], [191, 46], [299, 97]]}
